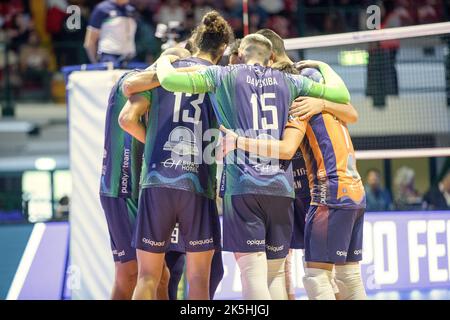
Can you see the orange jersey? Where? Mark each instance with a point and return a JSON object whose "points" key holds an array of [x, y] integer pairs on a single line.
{"points": [[330, 162]]}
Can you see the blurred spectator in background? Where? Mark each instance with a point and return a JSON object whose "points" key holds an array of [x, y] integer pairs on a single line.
{"points": [[110, 36], [381, 72], [200, 8], [406, 195], [56, 15], [19, 30], [147, 45], [280, 25], [232, 12], [62, 208], [429, 11], [34, 61], [257, 16], [438, 197], [171, 10], [377, 198]]}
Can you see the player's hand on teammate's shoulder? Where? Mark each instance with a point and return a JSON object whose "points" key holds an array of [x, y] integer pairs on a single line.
{"points": [[229, 140], [172, 58], [308, 64], [306, 107]]}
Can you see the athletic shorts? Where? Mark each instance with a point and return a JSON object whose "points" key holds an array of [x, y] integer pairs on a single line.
{"points": [[177, 243], [160, 209], [334, 235], [300, 207], [120, 216], [255, 223]]}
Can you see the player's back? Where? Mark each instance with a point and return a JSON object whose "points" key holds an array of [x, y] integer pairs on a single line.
{"points": [[331, 163], [174, 154], [255, 101], [122, 153]]}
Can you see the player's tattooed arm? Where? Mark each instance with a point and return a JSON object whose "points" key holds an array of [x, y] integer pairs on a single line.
{"points": [[306, 107], [277, 149], [173, 80], [334, 88], [129, 117]]}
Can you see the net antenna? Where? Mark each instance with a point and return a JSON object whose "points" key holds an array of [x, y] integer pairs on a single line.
{"points": [[399, 80], [245, 16]]}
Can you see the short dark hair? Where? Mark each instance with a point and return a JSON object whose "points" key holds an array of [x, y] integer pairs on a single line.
{"points": [[277, 42], [234, 48]]}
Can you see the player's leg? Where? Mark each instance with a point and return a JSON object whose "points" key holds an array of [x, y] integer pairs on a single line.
{"points": [[217, 270], [196, 222], [253, 268], [150, 269], [119, 220], [175, 262], [154, 224], [198, 272], [290, 285], [300, 207], [318, 275], [327, 239], [124, 280], [279, 224], [162, 293], [348, 275], [244, 234]]}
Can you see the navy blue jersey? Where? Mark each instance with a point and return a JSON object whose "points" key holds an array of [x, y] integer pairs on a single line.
{"points": [[179, 149]]}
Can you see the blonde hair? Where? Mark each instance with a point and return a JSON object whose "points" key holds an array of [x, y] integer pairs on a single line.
{"points": [[256, 46]]}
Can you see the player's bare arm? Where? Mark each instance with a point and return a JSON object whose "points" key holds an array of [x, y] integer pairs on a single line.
{"points": [[91, 43], [173, 80], [334, 88], [130, 116], [279, 149], [148, 80], [306, 107]]}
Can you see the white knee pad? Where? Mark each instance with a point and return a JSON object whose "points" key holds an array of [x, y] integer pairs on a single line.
{"points": [[317, 283], [334, 282], [253, 269], [276, 279], [348, 279]]}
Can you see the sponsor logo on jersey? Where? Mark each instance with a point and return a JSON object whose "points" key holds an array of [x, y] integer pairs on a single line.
{"points": [[180, 164], [357, 252], [125, 175]]}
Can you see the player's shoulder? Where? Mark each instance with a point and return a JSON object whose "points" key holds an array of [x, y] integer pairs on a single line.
{"points": [[312, 74], [104, 6], [191, 61]]}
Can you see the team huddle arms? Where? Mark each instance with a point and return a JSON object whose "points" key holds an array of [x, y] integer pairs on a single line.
{"points": [[269, 208]]}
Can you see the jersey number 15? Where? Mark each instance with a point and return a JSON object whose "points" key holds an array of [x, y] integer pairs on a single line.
{"points": [[265, 125]]}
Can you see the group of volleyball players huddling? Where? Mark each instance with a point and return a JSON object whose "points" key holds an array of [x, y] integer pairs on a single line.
{"points": [[289, 178]]}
